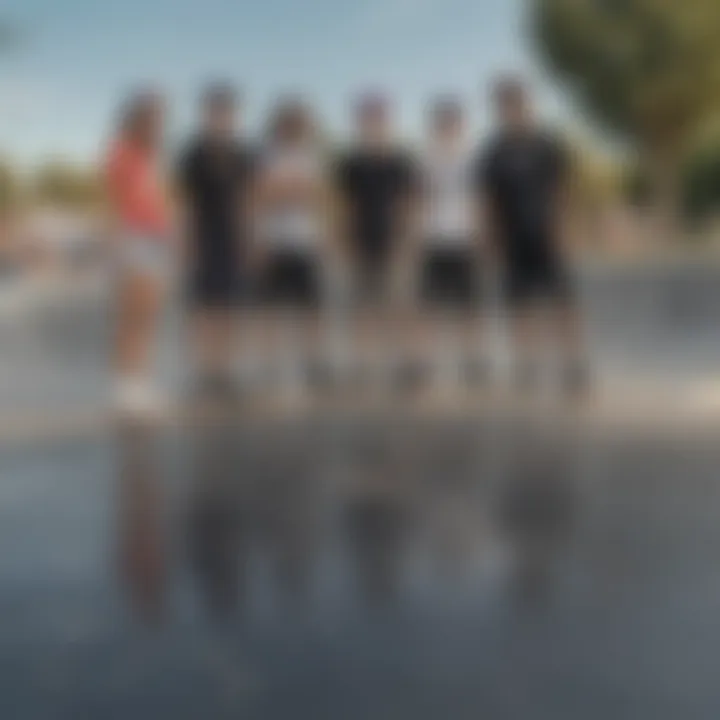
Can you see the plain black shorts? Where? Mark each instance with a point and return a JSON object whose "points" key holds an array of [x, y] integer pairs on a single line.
{"points": [[217, 287], [538, 276], [217, 291], [217, 279], [450, 278], [291, 279]]}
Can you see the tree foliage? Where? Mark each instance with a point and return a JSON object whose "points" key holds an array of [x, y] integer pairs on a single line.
{"points": [[61, 183], [701, 174], [9, 188], [597, 176], [647, 69]]}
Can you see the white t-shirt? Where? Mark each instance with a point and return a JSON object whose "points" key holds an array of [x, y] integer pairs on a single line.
{"points": [[292, 224], [448, 202]]}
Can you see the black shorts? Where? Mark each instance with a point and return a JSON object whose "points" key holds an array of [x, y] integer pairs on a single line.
{"points": [[217, 279], [217, 288], [290, 279], [538, 276], [450, 278], [211, 291]]}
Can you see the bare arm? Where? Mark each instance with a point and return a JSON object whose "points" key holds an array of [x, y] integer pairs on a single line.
{"points": [[182, 224], [408, 224], [340, 214], [490, 229], [257, 200], [487, 225], [331, 222], [563, 215]]}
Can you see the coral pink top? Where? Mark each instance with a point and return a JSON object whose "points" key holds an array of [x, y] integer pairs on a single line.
{"points": [[136, 190]]}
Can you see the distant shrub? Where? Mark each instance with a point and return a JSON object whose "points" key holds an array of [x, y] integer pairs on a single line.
{"points": [[67, 185], [9, 188], [701, 182]]}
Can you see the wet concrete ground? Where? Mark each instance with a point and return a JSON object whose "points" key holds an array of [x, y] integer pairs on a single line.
{"points": [[369, 565], [361, 568]]}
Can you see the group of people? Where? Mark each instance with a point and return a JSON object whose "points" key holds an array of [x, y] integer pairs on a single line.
{"points": [[283, 241]]}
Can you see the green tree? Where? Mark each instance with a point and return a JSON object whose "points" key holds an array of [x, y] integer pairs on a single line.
{"points": [[9, 185], [648, 70], [60, 183], [9, 188], [701, 174]]}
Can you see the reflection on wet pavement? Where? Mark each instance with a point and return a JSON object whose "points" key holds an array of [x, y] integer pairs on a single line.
{"points": [[361, 567]]}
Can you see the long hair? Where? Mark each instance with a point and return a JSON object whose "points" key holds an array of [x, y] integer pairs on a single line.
{"points": [[291, 120], [137, 116]]}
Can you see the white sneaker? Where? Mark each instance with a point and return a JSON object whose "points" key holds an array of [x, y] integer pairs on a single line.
{"points": [[137, 397]]}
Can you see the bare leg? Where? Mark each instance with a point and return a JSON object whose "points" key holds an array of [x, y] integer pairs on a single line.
{"points": [[140, 306], [214, 336], [472, 331], [569, 331], [316, 347], [430, 334], [267, 332], [527, 335], [403, 339], [368, 338]]}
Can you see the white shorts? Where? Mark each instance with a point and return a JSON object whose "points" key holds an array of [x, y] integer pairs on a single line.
{"points": [[143, 254]]}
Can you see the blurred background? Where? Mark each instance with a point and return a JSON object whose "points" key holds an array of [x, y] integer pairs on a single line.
{"points": [[356, 559], [630, 86]]}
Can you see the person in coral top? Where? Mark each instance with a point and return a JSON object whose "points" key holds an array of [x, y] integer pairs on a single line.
{"points": [[141, 217]]}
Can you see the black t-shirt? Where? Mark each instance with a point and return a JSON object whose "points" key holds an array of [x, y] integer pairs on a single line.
{"points": [[522, 177], [376, 188], [215, 179]]}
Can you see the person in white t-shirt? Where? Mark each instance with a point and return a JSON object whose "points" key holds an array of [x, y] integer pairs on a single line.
{"points": [[292, 213], [450, 243]]}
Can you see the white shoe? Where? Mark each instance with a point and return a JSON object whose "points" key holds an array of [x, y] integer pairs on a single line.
{"points": [[136, 397]]}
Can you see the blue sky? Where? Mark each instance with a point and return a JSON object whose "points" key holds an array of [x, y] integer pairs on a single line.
{"points": [[79, 57]]}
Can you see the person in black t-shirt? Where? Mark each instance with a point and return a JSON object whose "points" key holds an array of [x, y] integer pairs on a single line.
{"points": [[375, 183], [215, 179], [450, 288], [523, 178]]}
